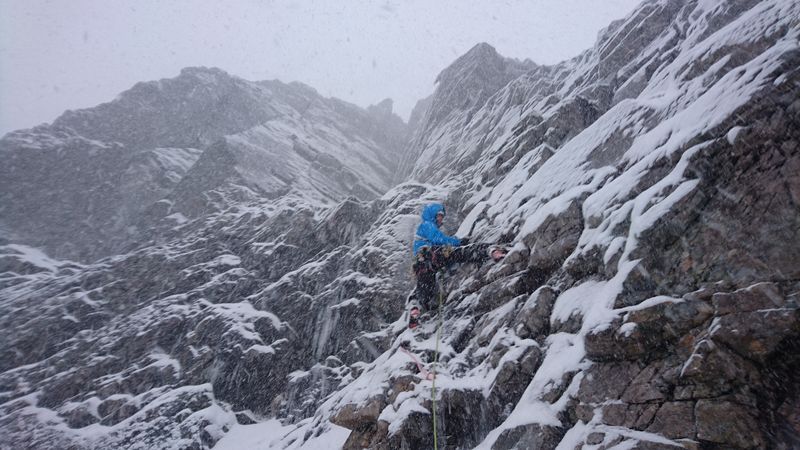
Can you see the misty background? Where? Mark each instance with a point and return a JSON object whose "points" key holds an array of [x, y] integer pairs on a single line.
{"points": [[58, 55]]}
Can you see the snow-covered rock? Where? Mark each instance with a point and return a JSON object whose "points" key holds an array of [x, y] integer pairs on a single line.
{"points": [[648, 191]]}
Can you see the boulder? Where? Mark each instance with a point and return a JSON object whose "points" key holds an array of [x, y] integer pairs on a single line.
{"points": [[353, 416]]}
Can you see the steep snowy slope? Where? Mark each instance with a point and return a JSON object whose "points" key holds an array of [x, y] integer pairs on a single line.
{"points": [[649, 189]]}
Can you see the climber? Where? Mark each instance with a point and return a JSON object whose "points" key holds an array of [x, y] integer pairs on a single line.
{"points": [[433, 251]]}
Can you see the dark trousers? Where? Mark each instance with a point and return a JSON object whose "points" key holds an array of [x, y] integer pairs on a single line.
{"points": [[431, 260]]}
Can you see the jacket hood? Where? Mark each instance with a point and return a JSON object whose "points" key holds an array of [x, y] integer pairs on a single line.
{"points": [[430, 211]]}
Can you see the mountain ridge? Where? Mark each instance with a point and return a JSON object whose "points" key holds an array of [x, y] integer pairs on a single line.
{"points": [[202, 110]]}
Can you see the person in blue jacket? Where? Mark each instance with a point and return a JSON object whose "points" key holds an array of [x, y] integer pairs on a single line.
{"points": [[434, 250]]}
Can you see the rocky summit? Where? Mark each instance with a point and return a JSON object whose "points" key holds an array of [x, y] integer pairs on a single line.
{"points": [[207, 261]]}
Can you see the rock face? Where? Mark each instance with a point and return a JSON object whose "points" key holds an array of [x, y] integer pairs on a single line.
{"points": [[648, 191]]}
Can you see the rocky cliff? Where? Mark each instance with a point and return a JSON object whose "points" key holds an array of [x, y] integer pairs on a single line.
{"points": [[649, 193]]}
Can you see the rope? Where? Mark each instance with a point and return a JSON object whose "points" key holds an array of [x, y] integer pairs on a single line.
{"points": [[434, 368]]}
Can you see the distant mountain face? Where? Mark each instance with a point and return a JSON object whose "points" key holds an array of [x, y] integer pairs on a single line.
{"points": [[648, 190], [463, 88], [95, 181]]}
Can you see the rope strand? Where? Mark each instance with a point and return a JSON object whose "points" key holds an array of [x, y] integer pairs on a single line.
{"points": [[435, 363]]}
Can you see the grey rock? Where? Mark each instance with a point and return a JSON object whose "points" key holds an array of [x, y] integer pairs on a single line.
{"points": [[595, 438], [529, 436], [533, 319], [757, 335], [674, 420], [80, 417], [756, 297], [728, 424], [555, 239], [645, 387], [607, 381]]}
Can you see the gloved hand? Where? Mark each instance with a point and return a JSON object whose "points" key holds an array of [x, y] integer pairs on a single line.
{"points": [[465, 240]]}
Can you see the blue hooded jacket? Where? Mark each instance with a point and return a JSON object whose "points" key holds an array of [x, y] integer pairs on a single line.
{"points": [[428, 232]]}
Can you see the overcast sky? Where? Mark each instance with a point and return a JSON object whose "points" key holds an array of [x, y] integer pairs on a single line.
{"points": [[69, 54]]}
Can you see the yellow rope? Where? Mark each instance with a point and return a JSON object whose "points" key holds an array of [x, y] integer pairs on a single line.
{"points": [[435, 362]]}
